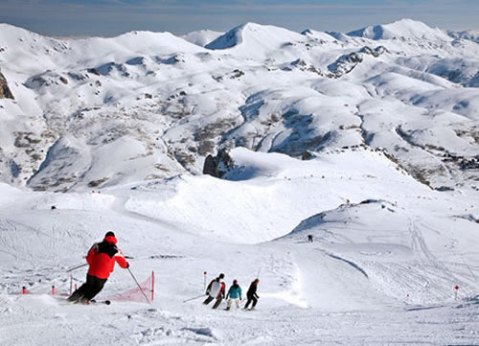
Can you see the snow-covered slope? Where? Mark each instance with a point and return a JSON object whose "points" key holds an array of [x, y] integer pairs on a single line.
{"points": [[386, 254]]}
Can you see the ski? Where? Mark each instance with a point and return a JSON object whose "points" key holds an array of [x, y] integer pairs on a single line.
{"points": [[106, 302]]}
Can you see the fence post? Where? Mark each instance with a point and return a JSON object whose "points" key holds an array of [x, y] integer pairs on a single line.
{"points": [[152, 285]]}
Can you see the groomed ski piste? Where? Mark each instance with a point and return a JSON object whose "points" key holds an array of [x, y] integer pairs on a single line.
{"points": [[387, 252]]}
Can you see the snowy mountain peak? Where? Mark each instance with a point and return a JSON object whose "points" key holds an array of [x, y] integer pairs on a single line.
{"points": [[10, 34], [401, 29], [11, 30], [228, 40], [254, 34]]}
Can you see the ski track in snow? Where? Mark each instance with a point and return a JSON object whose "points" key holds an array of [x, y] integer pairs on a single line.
{"points": [[377, 273], [351, 263], [136, 324]]}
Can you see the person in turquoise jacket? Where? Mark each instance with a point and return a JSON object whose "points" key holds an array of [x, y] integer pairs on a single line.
{"points": [[234, 295]]}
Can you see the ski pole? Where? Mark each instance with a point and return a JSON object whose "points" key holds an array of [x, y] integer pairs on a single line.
{"points": [[77, 267], [189, 300], [144, 295]]}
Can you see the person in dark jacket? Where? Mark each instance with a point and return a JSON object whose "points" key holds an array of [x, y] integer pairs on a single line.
{"points": [[101, 259], [251, 294]]}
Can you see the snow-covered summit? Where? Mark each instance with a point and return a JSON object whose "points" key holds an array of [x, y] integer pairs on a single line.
{"points": [[11, 32], [401, 29], [254, 36]]}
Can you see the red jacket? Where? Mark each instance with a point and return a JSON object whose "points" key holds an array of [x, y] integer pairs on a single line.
{"points": [[102, 256]]}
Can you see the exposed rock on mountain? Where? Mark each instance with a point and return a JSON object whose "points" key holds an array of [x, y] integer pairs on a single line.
{"points": [[5, 92], [217, 166], [346, 63]]}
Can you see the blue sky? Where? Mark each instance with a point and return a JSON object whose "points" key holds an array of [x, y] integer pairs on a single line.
{"points": [[113, 17]]}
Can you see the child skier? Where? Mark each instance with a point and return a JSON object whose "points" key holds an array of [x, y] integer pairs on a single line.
{"points": [[101, 259], [234, 294]]}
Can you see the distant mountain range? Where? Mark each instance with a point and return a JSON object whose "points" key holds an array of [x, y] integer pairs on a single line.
{"points": [[95, 112]]}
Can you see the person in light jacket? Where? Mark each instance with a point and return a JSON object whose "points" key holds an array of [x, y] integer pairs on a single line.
{"points": [[214, 290]]}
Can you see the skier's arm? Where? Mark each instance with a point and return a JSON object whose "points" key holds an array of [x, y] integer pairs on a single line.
{"points": [[253, 290], [121, 260], [208, 289]]}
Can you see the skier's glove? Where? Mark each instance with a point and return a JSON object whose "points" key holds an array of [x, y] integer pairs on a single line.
{"points": [[127, 265]]}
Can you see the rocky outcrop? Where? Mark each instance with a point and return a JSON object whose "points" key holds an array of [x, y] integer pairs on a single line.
{"points": [[217, 166], [304, 66], [5, 92], [346, 63]]}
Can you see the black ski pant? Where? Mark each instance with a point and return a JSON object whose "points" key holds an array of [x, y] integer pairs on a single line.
{"points": [[218, 302], [208, 300], [89, 289], [251, 299]]}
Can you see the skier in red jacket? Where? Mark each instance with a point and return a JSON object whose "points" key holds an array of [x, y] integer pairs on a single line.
{"points": [[101, 259]]}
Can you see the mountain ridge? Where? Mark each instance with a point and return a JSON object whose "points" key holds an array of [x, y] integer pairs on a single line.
{"points": [[168, 102]]}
